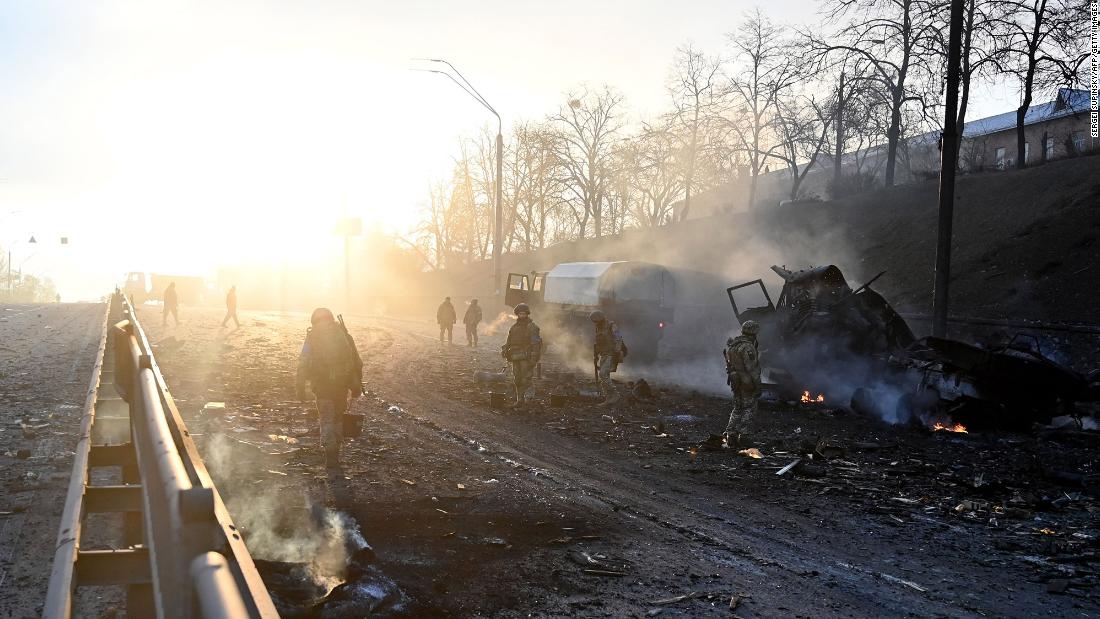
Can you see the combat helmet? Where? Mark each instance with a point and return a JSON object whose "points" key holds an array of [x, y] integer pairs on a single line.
{"points": [[320, 315], [522, 307], [750, 327], [597, 316]]}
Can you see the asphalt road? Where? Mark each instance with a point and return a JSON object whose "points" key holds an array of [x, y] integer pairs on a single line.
{"points": [[586, 511], [447, 507], [46, 357]]}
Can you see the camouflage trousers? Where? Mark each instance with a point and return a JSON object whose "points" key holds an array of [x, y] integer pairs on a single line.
{"points": [[605, 365], [744, 409], [330, 413], [523, 376]]}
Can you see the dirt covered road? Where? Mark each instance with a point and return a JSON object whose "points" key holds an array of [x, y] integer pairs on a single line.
{"points": [[46, 358], [447, 507]]}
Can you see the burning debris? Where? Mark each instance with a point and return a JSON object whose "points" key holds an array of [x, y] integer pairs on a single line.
{"points": [[807, 399], [949, 427]]}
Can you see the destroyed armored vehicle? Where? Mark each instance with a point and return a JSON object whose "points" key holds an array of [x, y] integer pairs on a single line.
{"points": [[820, 315], [823, 336], [638, 296], [1013, 385]]}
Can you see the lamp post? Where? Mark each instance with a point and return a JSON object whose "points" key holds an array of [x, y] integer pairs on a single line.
{"points": [[498, 224]]}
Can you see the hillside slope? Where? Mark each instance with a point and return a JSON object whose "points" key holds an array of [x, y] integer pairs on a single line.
{"points": [[1025, 244]]}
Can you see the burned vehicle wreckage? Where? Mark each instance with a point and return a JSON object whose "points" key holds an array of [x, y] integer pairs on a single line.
{"points": [[823, 336]]}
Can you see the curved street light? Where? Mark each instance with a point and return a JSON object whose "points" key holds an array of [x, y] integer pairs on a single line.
{"points": [[498, 225]]}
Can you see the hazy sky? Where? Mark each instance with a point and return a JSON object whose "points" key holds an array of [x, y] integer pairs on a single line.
{"points": [[172, 136]]}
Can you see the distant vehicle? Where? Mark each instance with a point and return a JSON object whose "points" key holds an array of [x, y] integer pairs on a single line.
{"points": [[142, 287], [638, 296]]}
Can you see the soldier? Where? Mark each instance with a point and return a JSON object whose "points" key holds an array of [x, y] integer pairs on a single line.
{"points": [[446, 318], [330, 362], [522, 349], [607, 352], [171, 304], [743, 370], [471, 320], [231, 307]]}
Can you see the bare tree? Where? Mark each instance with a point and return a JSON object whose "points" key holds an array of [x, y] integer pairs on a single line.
{"points": [[693, 86], [900, 41], [532, 187], [587, 127], [1044, 41], [803, 130], [980, 56], [766, 67], [655, 175]]}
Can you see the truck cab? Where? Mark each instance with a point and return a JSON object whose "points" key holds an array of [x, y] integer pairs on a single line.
{"points": [[524, 288]]}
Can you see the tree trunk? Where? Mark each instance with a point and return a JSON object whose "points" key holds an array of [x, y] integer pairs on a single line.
{"points": [[1029, 83], [838, 149], [893, 135]]}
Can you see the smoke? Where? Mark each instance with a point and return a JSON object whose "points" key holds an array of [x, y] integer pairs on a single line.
{"points": [[277, 529], [502, 321]]}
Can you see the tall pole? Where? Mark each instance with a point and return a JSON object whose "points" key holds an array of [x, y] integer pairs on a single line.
{"points": [[498, 216], [498, 229], [948, 153]]}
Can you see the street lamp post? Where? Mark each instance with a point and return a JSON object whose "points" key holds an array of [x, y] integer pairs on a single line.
{"points": [[498, 224]]}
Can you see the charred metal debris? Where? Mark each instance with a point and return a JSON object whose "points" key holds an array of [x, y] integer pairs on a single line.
{"points": [[823, 336]]}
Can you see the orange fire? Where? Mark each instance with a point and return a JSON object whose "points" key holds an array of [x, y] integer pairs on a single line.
{"points": [[957, 427], [807, 399]]}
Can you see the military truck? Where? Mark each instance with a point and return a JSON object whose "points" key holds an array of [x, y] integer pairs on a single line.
{"points": [[638, 296]]}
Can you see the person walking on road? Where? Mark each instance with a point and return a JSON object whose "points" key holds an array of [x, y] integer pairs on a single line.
{"points": [[608, 351], [742, 355], [446, 318], [523, 349], [171, 304], [471, 320], [231, 307], [331, 364]]}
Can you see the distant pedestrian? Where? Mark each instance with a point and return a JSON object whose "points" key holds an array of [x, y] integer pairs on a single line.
{"points": [[171, 304], [523, 350], [446, 317], [231, 307], [743, 370], [331, 364], [471, 320]]}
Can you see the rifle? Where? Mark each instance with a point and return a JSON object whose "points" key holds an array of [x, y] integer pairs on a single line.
{"points": [[344, 327]]}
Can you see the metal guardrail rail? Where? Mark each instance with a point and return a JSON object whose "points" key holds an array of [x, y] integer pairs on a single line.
{"points": [[183, 556]]}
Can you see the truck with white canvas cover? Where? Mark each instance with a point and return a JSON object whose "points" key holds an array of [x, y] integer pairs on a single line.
{"points": [[638, 296]]}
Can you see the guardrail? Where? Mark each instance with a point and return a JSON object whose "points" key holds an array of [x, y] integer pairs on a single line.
{"points": [[183, 555]]}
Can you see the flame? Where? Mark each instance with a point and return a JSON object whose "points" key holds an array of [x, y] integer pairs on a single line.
{"points": [[956, 427], [807, 399]]}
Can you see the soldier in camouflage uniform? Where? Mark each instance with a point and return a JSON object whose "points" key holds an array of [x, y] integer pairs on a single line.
{"points": [[331, 364], [743, 369], [607, 353], [523, 349]]}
